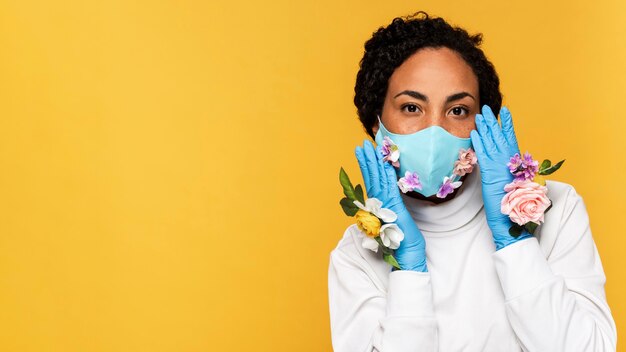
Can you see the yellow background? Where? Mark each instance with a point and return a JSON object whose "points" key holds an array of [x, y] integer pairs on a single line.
{"points": [[169, 169]]}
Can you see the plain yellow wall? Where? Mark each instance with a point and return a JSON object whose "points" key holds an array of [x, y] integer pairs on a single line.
{"points": [[169, 169]]}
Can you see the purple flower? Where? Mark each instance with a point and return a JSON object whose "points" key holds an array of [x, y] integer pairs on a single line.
{"points": [[447, 187], [390, 152], [523, 168], [409, 182]]}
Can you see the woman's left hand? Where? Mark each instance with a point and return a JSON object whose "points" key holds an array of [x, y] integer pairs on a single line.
{"points": [[494, 147]]}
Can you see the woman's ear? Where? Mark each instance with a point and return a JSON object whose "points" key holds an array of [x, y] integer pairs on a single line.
{"points": [[375, 127]]}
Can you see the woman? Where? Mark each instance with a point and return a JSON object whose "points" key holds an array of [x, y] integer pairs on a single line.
{"points": [[465, 283]]}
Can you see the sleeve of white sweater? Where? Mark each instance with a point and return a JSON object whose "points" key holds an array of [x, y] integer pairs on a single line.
{"points": [[558, 303], [363, 318]]}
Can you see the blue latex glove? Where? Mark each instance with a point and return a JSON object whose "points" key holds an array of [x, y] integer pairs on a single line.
{"points": [[494, 147], [381, 183]]}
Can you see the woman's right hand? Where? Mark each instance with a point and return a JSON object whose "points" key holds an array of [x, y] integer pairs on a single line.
{"points": [[381, 183]]}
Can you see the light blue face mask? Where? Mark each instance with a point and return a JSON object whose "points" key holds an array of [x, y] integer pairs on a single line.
{"points": [[430, 152]]}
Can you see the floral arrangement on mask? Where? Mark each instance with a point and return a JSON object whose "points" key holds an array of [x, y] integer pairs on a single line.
{"points": [[376, 222], [526, 200], [410, 181]]}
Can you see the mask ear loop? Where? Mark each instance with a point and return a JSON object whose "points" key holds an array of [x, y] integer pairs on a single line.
{"points": [[380, 122]]}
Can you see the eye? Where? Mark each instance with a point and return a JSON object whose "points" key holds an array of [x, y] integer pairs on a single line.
{"points": [[459, 109], [411, 107]]}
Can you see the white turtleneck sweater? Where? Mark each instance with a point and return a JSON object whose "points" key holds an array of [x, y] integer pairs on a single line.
{"points": [[544, 293]]}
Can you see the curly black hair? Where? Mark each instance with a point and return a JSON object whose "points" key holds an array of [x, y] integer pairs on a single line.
{"points": [[390, 46]]}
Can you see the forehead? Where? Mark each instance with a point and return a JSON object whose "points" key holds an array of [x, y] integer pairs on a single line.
{"points": [[433, 69]]}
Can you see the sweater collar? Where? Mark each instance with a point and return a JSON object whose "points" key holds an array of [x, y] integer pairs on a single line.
{"points": [[452, 214]]}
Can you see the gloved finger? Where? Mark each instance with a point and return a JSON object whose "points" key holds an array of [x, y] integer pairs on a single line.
{"points": [[372, 167], [360, 157], [496, 130], [507, 129], [384, 187], [392, 180], [485, 136], [478, 147]]}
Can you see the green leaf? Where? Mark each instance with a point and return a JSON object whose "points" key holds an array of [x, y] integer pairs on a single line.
{"points": [[386, 250], [391, 260], [348, 206], [380, 242], [358, 192], [531, 227], [348, 189], [544, 165], [552, 168], [549, 206], [515, 230]]}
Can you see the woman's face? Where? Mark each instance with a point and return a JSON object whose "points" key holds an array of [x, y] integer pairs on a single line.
{"points": [[434, 86]]}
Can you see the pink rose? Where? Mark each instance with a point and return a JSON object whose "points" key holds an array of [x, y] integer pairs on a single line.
{"points": [[525, 201], [465, 164]]}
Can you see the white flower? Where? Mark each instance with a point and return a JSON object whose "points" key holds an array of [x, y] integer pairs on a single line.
{"points": [[370, 243], [391, 235], [374, 206]]}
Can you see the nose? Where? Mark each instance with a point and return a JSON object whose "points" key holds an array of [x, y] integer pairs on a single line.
{"points": [[454, 126], [436, 119]]}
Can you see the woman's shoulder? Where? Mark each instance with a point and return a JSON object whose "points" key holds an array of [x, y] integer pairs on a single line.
{"points": [[563, 197], [350, 244], [567, 210], [346, 242], [350, 252], [559, 188]]}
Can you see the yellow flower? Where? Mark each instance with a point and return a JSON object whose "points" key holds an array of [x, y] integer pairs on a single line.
{"points": [[539, 179], [368, 223]]}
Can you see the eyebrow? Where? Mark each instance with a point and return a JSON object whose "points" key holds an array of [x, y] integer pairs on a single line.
{"points": [[418, 95]]}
